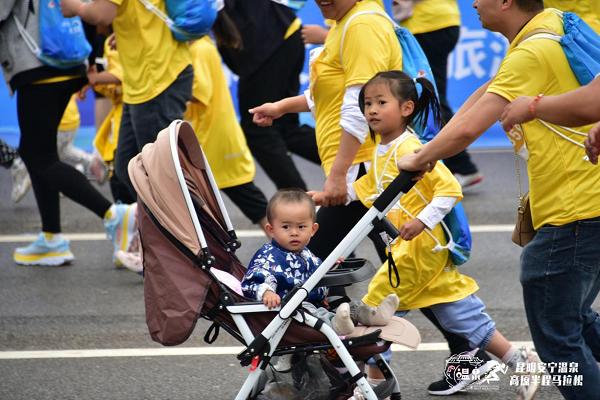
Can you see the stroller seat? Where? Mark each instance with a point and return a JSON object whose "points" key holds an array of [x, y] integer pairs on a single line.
{"points": [[186, 237]]}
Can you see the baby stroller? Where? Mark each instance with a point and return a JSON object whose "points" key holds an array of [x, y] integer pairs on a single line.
{"points": [[191, 271]]}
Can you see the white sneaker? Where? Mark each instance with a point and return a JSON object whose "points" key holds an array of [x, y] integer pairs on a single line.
{"points": [[527, 392], [20, 180], [130, 260], [469, 180]]}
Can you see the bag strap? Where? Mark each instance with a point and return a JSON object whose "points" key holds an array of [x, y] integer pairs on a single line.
{"points": [[546, 34], [156, 11], [347, 24], [29, 41]]}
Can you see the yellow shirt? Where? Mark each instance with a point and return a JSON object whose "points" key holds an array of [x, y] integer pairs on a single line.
{"points": [[70, 120], [588, 10], [562, 186], [432, 15], [370, 46], [426, 278], [151, 58], [214, 120]]}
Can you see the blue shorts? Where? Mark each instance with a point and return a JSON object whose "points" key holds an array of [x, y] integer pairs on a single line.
{"points": [[466, 318]]}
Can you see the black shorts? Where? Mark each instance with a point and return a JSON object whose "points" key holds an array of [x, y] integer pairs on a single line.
{"points": [[250, 199]]}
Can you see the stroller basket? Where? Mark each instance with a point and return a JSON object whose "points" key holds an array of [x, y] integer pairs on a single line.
{"points": [[191, 270]]}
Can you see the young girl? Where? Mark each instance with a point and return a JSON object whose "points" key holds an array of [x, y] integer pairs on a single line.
{"points": [[390, 102]]}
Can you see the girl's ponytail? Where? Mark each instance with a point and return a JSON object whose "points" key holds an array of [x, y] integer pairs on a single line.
{"points": [[427, 100]]}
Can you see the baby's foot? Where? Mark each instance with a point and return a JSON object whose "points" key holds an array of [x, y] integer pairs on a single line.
{"points": [[342, 323]]}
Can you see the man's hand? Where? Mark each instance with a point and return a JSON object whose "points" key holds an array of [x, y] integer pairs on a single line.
{"points": [[412, 229], [70, 8], [314, 34], [414, 163], [264, 115], [592, 144], [516, 112], [335, 190], [271, 299]]}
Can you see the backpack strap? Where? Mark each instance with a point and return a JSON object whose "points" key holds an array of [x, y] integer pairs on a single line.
{"points": [[347, 24], [540, 34], [154, 10]]}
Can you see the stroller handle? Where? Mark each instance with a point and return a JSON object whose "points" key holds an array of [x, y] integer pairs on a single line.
{"points": [[401, 184]]}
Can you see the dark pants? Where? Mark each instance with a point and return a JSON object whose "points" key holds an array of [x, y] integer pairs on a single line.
{"points": [[560, 275], [437, 46], [278, 78], [249, 199], [142, 122], [40, 109]]}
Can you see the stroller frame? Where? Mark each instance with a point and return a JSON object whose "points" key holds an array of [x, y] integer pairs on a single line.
{"points": [[261, 348]]}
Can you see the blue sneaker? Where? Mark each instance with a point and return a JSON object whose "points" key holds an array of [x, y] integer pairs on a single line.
{"points": [[43, 252], [120, 224]]}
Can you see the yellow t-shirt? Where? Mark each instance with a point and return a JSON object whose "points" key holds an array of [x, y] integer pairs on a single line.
{"points": [[432, 15], [370, 46], [70, 120], [151, 58], [213, 118], [588, 10], [562, 186], [426, 278]]}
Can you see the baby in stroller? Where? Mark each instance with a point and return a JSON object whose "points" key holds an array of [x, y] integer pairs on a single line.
{"points": [[278, 266]]}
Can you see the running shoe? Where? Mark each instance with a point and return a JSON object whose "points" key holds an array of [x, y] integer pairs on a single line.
{"points": [[44, 252]]}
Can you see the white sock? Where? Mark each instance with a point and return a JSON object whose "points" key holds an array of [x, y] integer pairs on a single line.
{"points": [[512, 357], [342, 323], [381, 315]]}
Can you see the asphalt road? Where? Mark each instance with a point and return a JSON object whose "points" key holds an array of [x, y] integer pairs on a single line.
{"points": [[91, 306]]}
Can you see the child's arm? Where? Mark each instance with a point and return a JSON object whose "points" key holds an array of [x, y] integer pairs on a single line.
{"points": [[95, 77], [259, 280], [429, 217]]}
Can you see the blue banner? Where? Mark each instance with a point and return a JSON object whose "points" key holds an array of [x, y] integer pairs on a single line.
{"points": [[474, 61]]}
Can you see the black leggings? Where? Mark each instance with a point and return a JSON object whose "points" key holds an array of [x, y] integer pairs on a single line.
{"points": [[40, 109]]}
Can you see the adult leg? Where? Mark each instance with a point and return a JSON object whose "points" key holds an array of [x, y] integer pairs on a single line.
{"points": [[560, 274], [250, 200], [268, 146], [437, 46], [141, 123], [37, 147]]}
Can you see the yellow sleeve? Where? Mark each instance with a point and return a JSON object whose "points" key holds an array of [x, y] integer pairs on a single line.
{"points": [[113, 62], [514, 78], [366, 51]]}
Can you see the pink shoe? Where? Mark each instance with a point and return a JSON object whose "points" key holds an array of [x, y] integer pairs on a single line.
{"points": [[130, 260], [98, 169]]}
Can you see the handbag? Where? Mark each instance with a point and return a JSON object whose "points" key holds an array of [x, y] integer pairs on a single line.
{"points": [[524, 231]]}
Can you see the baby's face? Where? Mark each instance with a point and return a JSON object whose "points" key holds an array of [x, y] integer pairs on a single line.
{"points": [[292, 225]]}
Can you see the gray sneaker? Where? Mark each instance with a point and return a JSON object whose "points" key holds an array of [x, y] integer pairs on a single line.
{"points": [[527, 392], [20, 180]]}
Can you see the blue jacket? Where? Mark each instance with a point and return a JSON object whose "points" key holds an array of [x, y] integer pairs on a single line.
{"points": [[279, 270]]}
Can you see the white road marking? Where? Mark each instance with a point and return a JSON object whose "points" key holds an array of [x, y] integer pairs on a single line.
{"points": [[242, 233], [175, 351]]}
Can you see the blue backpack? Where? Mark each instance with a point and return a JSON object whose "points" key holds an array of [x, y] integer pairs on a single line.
{"points": [[415, 64], [62, 40], [187, 19], [580, 44]]}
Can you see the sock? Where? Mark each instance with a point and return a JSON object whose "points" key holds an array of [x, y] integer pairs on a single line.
{"points": [[381, 315], [52, 238], [110, 213], [512, 357], [342, 323]]}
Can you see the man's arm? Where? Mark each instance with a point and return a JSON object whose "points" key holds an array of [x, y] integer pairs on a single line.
{"points": [[98, 12], [575, 108], [458, 134]]}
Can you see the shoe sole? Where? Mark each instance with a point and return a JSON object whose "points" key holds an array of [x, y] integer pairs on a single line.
{"points": [[473, 183], [46, 261]]}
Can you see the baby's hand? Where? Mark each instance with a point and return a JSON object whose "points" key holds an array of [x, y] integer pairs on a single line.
{"points": [[411, 229], [271, 299]]}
